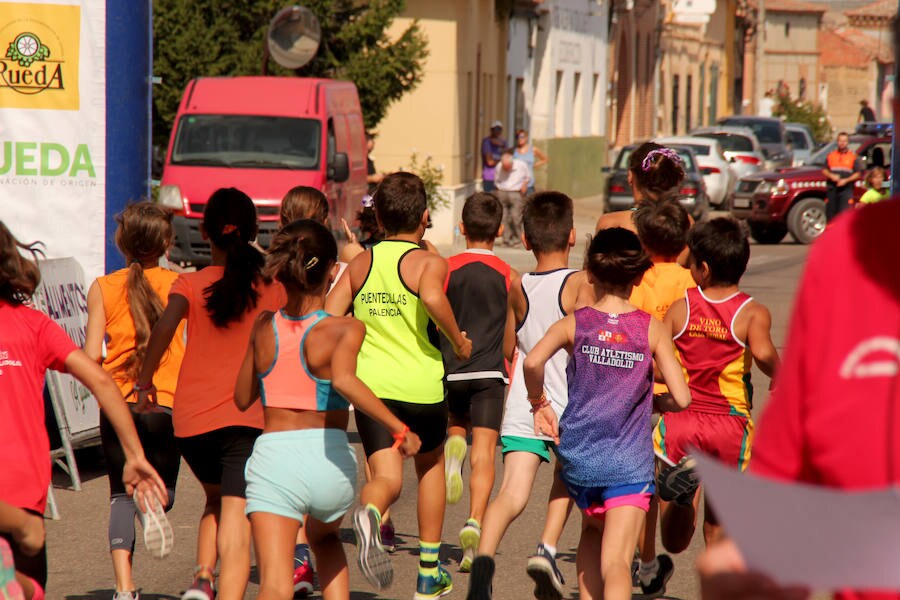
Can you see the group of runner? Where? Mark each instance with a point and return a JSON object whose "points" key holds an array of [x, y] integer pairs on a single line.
{"points": [[255, 395]]}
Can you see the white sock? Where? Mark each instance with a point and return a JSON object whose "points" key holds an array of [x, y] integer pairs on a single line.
{"points": [[551, 550], [648, 571]]}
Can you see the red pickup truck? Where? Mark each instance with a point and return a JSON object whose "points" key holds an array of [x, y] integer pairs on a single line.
{"points": [[792, 200]]}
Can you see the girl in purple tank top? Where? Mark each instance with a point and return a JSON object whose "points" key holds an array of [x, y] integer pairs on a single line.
{"points": [[604, 435]]}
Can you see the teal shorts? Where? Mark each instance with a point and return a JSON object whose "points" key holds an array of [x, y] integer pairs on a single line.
{"points": [[514, 443], [302, 472]]}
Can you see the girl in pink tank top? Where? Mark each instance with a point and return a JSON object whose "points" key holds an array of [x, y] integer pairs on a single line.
{"points": [[301, 365]]}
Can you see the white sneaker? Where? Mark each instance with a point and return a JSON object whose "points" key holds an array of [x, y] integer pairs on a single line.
{"points": [[158, 535]]}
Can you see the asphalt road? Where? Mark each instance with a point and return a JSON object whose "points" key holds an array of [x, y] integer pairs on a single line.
{"points": [[79, 561]]}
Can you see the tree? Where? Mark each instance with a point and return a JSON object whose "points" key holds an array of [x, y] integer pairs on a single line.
{"points": [[812, 115], [225, 37]]}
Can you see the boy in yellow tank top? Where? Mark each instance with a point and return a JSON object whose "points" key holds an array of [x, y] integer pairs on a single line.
{"points": [[396, 289]]}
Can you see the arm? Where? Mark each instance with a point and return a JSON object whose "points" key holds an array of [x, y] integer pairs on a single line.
{"points": [[160, 338], [340, 299], [348, 385], [487, 153], [139, 476], [353, 248], [560, 335], [724, 576], [759, 340], [26, 528], [540, 156], [664, 354], [246, 390], [431, 292], [96, 324]]}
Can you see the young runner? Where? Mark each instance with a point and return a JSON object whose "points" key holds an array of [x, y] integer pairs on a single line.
{"points": [[301, 364], [536, 301], [604, 434], [718, 331], [123, 307], [31, 343], [220, 303], [396, 289], [477, 287]]}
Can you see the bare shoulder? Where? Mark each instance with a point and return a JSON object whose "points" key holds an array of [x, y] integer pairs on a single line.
{"points": [[757, 310], [621, 218]]}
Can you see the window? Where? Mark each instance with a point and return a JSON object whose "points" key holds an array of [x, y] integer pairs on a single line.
{"points": [[596, 107], [578, 125], [787, 29], [519, 107], [675, 82], [559, 107], [703, 96], [713, 93], [797, 139], [687, 103]]}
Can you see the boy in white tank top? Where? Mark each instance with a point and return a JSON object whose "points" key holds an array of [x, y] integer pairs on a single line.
{"points": [[536, 301]]}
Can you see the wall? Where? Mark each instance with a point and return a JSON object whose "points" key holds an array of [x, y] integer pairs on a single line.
{"points": [[632, 106], [576, 163], [846, 85], [792, 51]]}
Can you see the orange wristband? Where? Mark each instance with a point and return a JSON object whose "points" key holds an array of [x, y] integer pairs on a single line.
{"points": [[399, 438]]}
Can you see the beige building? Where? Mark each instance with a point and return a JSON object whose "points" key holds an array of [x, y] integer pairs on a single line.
{"points": [[462, 91]]}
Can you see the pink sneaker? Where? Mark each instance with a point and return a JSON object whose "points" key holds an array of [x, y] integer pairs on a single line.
{"points": [[202, 589], [303, 579], [387, 537]]}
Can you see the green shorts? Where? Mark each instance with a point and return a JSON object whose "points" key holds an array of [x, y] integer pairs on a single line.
{"points": [[514, 443]]}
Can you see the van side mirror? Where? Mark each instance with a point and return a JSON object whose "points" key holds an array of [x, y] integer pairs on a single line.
{"points": [[339, 169]]}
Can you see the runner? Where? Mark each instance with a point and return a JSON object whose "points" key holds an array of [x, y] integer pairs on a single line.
{"points": [[718, 331], [604, 434], [123, 307], [302, 365], [536, 301], [478, 288], [220, 304], [396, 288], [31, 343]]}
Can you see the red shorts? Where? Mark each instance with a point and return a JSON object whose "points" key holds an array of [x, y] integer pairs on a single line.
{"points": [[726, 437]]}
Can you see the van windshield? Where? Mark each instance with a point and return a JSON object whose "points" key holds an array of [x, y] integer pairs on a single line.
{"points": [[247, 141]]}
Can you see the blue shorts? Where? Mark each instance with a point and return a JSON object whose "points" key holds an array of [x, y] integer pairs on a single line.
{"points": [[302, 472], [586, 497]]}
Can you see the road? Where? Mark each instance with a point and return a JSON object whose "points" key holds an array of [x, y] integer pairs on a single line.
{"points": [[79, 561]]}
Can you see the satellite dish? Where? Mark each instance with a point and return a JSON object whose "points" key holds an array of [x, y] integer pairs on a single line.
{"points": [[293, 36]]}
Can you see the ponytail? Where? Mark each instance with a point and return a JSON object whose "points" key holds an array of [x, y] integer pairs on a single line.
{"points": [[301, 256], [146, 307]]}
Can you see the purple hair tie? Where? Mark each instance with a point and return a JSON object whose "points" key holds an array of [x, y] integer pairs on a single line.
{"points": [[667, 152]]}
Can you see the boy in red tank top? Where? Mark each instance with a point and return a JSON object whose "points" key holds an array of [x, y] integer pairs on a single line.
{"points": [[718, 332]]}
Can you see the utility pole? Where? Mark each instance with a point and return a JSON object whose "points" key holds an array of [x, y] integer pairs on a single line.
{"points": [[760, 52]]}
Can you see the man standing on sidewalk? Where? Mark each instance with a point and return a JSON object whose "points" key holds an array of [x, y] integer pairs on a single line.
{"points": [[842, 170], [491, 148], [512, 182]]}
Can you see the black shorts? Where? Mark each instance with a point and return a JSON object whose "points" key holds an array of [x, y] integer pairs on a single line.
{"points": [[32, 566], [218, 457], [157, 437], [479, 401], [428, 421]]}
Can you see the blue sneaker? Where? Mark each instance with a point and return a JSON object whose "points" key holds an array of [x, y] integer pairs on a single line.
{"points": [[433, 585], [548, 580]]}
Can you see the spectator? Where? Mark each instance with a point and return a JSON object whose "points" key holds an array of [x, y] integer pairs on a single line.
{"points": [[527, 152], [491, 149], [373, 177], [866, 114], [842, 170], [512, 184], [767, 104]]}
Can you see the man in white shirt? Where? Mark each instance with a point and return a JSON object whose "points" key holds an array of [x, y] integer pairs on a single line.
{"points": [[512, 182]]}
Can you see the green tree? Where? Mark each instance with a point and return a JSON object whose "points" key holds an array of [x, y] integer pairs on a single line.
{"points": [[206, 38], [808, 113]]}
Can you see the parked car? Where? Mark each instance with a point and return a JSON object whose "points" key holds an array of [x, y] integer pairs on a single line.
{"points": [[692, 193], [772, 138], [263, 135], [714, 166], [740, 146], [793, 200], [802, 142]]}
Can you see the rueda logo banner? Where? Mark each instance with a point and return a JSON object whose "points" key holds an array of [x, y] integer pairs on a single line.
{"points": [[53, 126], [39, 56]]}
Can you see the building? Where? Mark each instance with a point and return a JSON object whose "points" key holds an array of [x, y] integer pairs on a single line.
{"points": [[698, 69], [556, 83], [462, 91], [873, 21]]}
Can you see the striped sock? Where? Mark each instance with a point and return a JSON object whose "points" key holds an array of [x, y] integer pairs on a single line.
{"points": [[428, 557]]}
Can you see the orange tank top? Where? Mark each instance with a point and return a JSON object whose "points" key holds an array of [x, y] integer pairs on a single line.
{"points": [[120, 334], [288, 382], [716, 363]]}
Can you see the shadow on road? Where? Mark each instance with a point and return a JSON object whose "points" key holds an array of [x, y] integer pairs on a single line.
{"points": [[107, 594]]}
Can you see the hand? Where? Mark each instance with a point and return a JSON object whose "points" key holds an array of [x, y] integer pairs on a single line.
{"points": [[524, 190], [410, 446], [146, 400], [724, 576], [143, 482], [463, 349], [840, 182], [351, 237], [545, 423], [30, 534]]}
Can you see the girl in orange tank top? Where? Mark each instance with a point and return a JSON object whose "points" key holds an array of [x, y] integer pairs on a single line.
{"points": [[301, 365], [122, 309]]}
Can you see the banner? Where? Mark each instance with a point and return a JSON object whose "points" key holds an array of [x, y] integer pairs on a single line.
{"points": [[62, 296], [53, 126]]}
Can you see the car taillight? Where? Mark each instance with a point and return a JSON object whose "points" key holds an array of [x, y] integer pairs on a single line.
{"points": [[688, 191], [617, 189], [710, 170], [750, 160]]}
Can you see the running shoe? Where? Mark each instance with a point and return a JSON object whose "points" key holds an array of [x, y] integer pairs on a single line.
{"points": [[548, 580], [201, 589], [303, 578], [135, 595], [678, 483], [158, 535], [454, 456], [9, 587], [657, 586], [373, 560], [388, 538], [469, 538], [433, 586], [481, 580]]}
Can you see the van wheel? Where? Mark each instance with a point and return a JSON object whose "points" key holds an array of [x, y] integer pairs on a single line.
{"points": [[767, 233], [806, 219]]}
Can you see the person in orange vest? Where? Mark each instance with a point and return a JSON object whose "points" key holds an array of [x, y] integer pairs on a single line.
{"points": [[843, 168]]}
